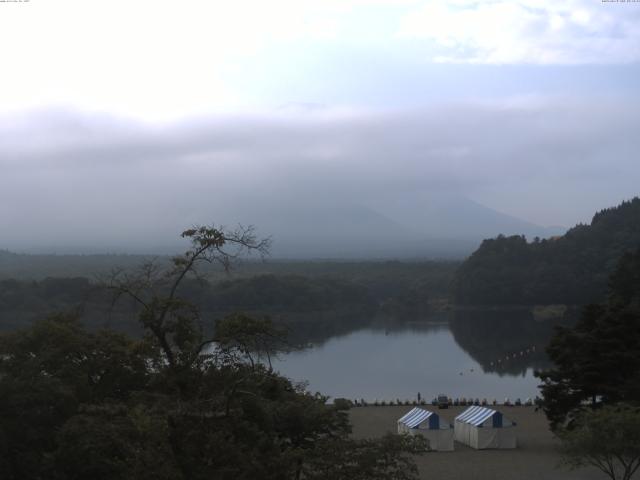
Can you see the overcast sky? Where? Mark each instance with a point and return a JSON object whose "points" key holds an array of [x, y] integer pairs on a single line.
{"points": [[150, 113]]}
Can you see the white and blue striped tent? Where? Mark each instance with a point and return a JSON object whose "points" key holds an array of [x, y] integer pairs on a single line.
{"points": [[428, 424], [481, 427]]}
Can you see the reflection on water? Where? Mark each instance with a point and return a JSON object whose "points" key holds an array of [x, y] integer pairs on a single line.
{"points": [[504, 342], [397, 362]]}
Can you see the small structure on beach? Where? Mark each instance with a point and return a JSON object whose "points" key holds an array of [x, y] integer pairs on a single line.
{"points": [[428, 424], [482, 427]]}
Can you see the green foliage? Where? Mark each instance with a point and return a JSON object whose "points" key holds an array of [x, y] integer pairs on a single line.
{"points": [[571, 269], [624, 283], [252, 337], [47, 373], [287, 293], [342, 403], [113, 442], [93, 405], [28, 299], [608, 439], [176, 404], [598, 361]]}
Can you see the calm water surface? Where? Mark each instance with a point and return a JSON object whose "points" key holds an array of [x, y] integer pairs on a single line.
{"points": [[387, 365]]}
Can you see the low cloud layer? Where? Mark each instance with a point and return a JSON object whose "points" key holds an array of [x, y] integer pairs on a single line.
{"points": [[77, 179]]}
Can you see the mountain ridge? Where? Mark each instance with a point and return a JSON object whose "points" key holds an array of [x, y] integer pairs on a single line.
{"points": [[415, 225]]}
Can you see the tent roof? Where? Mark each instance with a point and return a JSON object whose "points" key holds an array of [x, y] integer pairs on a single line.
{"points": [[475, 415], [415, 417]]}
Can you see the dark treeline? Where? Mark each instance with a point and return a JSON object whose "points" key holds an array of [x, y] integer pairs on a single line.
{"points": [[264, 292], [572, 269], [332, 298], [283, 293], [24, 266]]}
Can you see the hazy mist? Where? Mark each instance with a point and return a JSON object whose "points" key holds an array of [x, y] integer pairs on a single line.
{"points": [[101, 182], [340, 128]]}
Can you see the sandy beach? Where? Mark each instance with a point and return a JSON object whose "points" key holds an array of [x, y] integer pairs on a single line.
{"points": [[536, 457]]}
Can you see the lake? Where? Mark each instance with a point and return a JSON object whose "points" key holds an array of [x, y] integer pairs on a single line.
{"points": [[489, 358]]}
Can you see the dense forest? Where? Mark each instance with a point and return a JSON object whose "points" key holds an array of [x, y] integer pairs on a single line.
{"points": [[328, 299], [572, 269]]}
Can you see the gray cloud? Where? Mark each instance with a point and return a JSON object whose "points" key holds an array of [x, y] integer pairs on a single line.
{"points": [[75, 179]]}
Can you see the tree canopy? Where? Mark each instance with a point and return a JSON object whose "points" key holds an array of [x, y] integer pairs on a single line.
{"points": [[174, 404], [597, 361], [571, 269], [608, 439]]}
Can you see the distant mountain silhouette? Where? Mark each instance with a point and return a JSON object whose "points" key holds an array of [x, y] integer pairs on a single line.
{"points": [[454, 216], [315, 225], [418, 226]]}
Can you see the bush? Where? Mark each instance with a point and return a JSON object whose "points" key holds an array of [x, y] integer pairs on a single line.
{"points": [[342, 404]]}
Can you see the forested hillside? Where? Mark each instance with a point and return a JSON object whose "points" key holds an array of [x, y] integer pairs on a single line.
{"points": [[572, 269]]}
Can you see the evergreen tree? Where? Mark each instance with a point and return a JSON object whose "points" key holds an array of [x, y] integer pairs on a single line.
{"points": [[571, 269], [598, 360]]}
